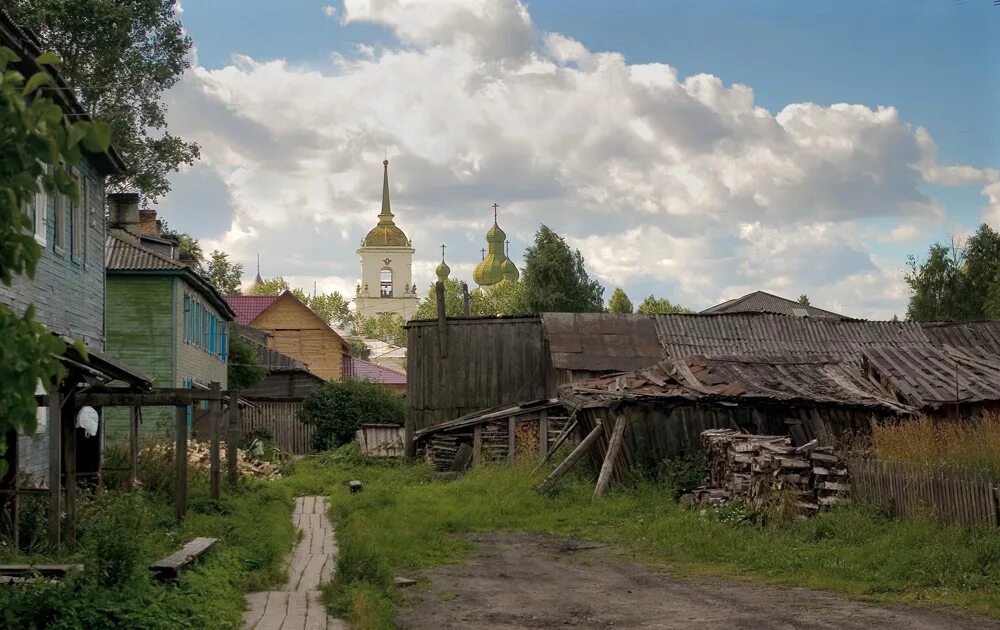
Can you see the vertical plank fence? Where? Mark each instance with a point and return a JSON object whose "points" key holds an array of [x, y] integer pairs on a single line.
{"points": [[955, 494], [281, 420]]}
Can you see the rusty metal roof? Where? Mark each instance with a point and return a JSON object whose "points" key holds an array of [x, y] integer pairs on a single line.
{"points": [[931, 377], [732, 380], [601, 341], [771, 335], [764, 302]]}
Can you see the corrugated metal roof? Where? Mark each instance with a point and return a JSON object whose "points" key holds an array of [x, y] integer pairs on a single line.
{"points": [[123, 255], [936, 377], [249, 307], [763, 302], [697, 378], [601, 341], [362, 370], [978, 335], [771, 335]]}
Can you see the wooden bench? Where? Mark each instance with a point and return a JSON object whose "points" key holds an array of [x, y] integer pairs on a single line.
{"points": [[17, 573], [171, 566]]}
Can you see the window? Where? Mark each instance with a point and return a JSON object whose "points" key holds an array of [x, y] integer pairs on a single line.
{"points": [[386, 283], [60, 223], [36, 210]]}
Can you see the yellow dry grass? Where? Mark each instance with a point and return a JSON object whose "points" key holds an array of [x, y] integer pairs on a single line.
{"points": [[932, 441]]}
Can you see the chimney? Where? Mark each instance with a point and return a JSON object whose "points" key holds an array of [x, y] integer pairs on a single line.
{"points": [[148, 225], [123, 212]]}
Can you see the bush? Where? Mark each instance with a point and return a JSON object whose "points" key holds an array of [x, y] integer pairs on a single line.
{"points": [[108, 524], [339, 409], [685, 472]]}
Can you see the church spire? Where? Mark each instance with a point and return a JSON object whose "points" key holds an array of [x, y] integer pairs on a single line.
{"points": [[385, 217], [443, 269]]}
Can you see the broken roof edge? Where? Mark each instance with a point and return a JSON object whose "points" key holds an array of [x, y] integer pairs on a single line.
{"points": [[490, 413]]}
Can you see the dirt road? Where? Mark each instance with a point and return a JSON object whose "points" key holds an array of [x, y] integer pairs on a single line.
{"points": [[532, 581]]}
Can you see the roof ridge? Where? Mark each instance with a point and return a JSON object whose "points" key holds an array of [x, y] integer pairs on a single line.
{"points": [[115, 234]]}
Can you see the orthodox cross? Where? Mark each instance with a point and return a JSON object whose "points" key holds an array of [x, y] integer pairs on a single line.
{"points": [[483, 252], [507, 246], [495, 206], [442, 252]]}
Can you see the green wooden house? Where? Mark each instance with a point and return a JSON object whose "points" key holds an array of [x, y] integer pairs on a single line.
{"points": [[162, 317]]}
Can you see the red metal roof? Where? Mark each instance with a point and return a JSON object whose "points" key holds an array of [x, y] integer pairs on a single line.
{"points": [[362, 370], [249, 307]]}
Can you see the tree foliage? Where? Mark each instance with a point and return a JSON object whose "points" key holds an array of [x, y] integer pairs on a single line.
{"points": [[225, 276], [359, 349], [244, 369], [957, 283], [804, 300], [386, 327], [662, 306], [268, 286], [504, 298], [338, 409], [555, 279], [619, 302], [333, 308], [453, 306], [35, 137], [120, 56]]}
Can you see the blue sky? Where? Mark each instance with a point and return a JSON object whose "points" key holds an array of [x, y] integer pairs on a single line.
{"points": [[931, 61]]}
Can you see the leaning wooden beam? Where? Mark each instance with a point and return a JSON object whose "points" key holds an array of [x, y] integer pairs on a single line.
{"points": [[180, 460], [55, 468], [122, 397], [614, 447], [570, 427], [588, 442]]}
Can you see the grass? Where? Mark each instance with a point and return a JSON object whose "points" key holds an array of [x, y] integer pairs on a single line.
{"points": [[121, 532], [940, 442], [406, 521]]}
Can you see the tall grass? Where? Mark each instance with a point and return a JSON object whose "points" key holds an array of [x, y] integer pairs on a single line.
{"points": [[974, 443]]}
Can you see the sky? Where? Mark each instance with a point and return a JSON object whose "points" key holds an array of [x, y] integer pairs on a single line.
{"points": [[693, 150]]}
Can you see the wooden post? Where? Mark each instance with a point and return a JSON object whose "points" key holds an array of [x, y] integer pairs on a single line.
{"points": [[55, 468], [570, 425], [233, 439], [477, 444], [180, 459], [8, 483], [214, 422], [543, 434], [614, 446], [68, 417], [466, 304], [511, 438], [133, 444], [588, 442], [442, 320]]}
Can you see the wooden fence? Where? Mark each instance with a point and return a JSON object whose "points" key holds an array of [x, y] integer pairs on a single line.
{"points": [[281, 420], [955, 494], [381, 440]]}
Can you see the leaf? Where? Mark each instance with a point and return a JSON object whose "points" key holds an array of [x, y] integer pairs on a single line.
{"points": [[36, 81], [48, 58], [77, 133], [98, 136], [81, 348]]}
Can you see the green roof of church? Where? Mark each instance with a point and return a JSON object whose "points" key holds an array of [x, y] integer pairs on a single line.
{"points": [[386, 233]]}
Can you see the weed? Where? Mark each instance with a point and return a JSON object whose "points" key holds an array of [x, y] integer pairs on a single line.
{"points": [[974, 443]]}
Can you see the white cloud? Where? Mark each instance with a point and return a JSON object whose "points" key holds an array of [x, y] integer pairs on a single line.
{"points": [[329, 10], [682, 182], [904, 232]]}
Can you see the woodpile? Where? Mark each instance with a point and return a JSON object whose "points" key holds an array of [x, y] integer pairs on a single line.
{"points": [[199, 456], [753, 468]]}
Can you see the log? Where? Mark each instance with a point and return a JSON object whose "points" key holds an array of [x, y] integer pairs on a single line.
{"points": [[570, 426], [588, 442], [169, 568], [614, 447]]}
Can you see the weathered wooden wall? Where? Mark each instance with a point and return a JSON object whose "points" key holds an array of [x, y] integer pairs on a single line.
{"points": [[381, 440], [298, 332], [280, 418], [488, 362], [951, 493]]}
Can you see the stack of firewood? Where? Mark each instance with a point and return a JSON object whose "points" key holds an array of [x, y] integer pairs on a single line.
{"points": [[199, 456], [752, 468]]}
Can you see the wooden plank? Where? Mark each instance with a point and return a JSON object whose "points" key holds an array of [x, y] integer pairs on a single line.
{"points": [[55, 468], [477, 444], [133, 444], [214, 458], [180, 462], [511, 438], [232, 440], [45, 570], [8, 484], [68, 419], [566, 432], [588, 442], [543, 434], [170, 567], [614, 446], [442, 320]]}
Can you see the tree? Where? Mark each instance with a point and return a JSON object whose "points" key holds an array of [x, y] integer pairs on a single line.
{"points": [[619, 302], [268, 286], [244, 369], [453, 304], [555, 279], [804, 300], [982, 272], [332, 308], [504, 298], [338, 409], [386, 327], [936, 286], [224, 275], [38, 145], [359, 349], [661, 306], [120, 56]]}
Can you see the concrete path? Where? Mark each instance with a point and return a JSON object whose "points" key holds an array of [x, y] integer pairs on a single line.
{"points": [[297, 605]]}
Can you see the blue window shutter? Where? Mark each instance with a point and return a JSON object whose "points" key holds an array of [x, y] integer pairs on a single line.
{"points": [[211, 334]]}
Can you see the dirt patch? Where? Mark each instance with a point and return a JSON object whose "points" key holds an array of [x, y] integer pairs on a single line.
{"points": [[518, 580]]}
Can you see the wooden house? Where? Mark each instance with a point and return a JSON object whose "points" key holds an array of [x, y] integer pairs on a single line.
{"points": [[163, 317], [293, 329]]}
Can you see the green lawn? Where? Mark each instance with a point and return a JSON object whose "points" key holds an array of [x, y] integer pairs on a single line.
{"points": [[406, 520]]}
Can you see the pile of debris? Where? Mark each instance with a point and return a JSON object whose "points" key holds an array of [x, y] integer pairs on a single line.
{"points": [[752, 468], [199, 456]]}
